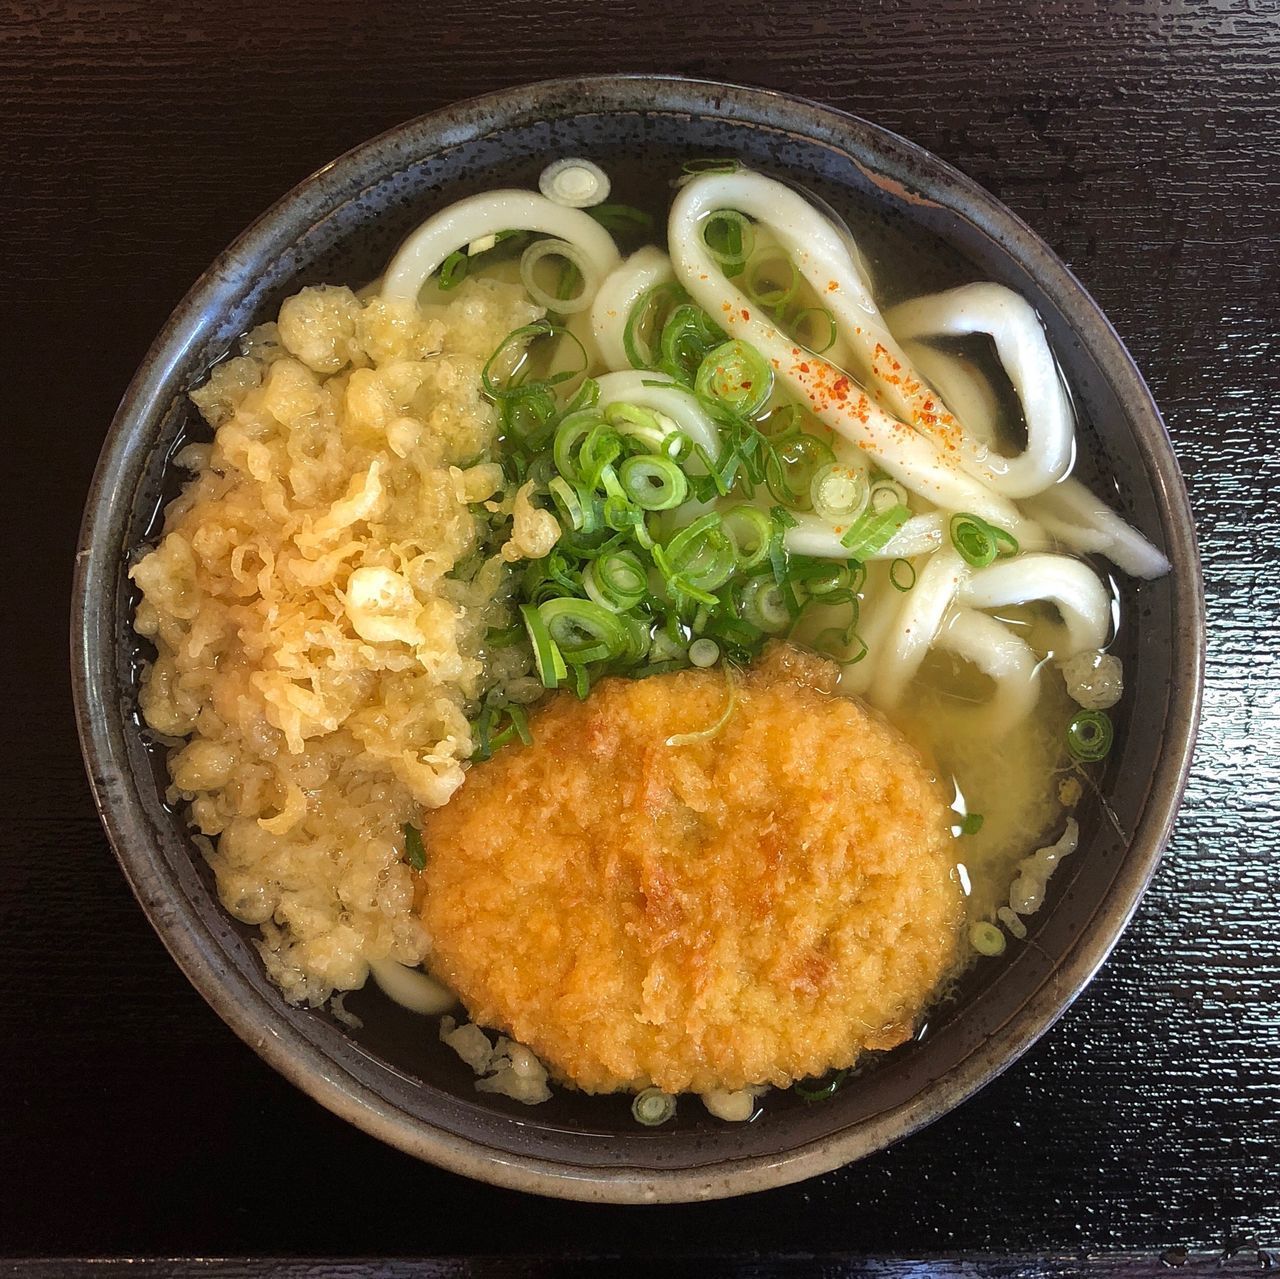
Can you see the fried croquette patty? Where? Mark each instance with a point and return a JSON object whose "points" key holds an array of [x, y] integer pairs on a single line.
{"points": [[752, 908]]}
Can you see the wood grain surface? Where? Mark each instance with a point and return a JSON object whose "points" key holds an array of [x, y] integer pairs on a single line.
{"points": [[1140, 139]]}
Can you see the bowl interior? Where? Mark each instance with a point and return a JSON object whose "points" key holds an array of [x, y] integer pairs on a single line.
{"points": [[922, 227]]}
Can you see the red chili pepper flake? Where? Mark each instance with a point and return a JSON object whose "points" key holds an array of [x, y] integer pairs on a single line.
{"points": [[746, 315], [804, 368]]}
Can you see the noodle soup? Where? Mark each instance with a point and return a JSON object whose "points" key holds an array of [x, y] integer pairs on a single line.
{"points": [[563, 444]]}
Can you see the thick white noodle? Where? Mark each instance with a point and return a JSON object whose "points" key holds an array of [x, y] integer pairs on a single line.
{"points": [[1024, 353], [411, 988], [962, 385], [670, 399], [912, 459], [996, 651], [618, 293], [1072, 586], [1086, 524], [917, 624], [812, 535], [1067, 510], [876, 616], [455, 227]]}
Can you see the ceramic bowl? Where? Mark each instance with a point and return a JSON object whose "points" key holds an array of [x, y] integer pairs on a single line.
{"points": [[393, 1079]]}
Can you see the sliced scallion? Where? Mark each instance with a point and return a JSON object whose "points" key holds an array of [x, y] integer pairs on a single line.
{"points": [[839, 492], [704, 652], [583, 630], [730, 239], [822, 1091], [547, 657], [750, 530], [873, 531], [622, 219], [616, 581], [771, 278], [978, 542], [652, 1107], [1090, 736], [792, 466], [736, 375], [986, 938], [414, 853], [453, 270], [886, 494], [902, 575], [762, 604], [653, 483], [815, 329]]}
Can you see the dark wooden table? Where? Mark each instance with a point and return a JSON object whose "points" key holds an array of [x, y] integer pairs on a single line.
{"points": [[1139, 138]]}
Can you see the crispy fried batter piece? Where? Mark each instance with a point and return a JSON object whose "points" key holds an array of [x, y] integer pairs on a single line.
{"points": [[754, 908]]}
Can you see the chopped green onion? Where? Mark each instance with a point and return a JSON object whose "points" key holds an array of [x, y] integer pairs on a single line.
{"points": [[843, 646], [585, 397], [712, 730], [642, 425], [687, 338], [729, 238], [453, 270], [699, 559], [653, 483], [576, 507], [601, 448], [872, 532], [570, 435], [645, 323], [822, 1091], [583, 630], [839, 492], [414, 853], [978, 542], [528, 415], [505, 371], [761, 282], [792, 466], [704, 652], [737, 376], [652, 1107], [970, 824], [489, 741], [1090, 735], [986, 938], [815, 328], [886, 494], [827, 580], [902, 575], [622, 219], [547, 657], [616, 581], [704, 165], [750, 531], [763, 604], [783, 423]]}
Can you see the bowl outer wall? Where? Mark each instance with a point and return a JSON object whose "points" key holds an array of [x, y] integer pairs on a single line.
{"points": [[193, 939]]}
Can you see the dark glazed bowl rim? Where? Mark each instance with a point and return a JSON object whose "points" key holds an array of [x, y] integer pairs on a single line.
{"points": [[895, 163]]}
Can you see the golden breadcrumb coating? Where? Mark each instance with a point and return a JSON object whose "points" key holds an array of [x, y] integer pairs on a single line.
{"points": [[754, 908]]}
